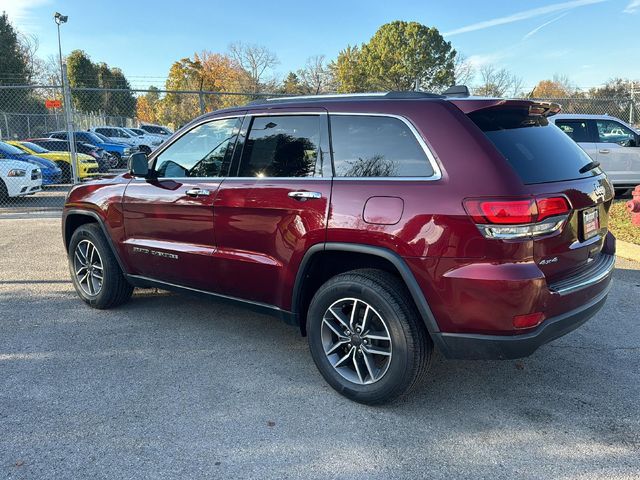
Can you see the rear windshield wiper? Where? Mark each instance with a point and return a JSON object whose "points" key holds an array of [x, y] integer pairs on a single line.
{"points": [[589, 166]]}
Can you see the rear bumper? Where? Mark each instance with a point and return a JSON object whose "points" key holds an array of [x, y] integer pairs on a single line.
{"points": [[478, 346]]}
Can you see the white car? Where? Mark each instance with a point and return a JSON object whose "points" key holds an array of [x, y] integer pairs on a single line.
{"points": [[164, 132], [120, 135], [18, 178], [153, 140], [609, 141]]}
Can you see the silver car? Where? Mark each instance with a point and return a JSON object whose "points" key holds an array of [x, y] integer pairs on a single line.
{"points": [[609, 141]]}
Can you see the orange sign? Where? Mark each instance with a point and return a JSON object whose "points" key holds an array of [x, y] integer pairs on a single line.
{"points": [[52, 103]]}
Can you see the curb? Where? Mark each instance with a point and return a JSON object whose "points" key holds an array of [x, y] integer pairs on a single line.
{"points": [[627, 250]]}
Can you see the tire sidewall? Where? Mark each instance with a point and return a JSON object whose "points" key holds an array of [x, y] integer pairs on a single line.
{"points": [[89, 233], [395, 376]]}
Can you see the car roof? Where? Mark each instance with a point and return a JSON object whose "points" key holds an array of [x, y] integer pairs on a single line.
{"points": [[585, 116]]}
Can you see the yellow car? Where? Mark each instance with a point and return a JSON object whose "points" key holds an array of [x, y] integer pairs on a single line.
{"points": [[87, 165]]}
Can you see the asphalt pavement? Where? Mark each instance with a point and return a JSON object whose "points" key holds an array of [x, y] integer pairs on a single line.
{"points": [[170, 386]]}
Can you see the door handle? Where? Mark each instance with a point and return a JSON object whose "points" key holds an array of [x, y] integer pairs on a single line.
{"points": [[604, 151], [197, 192], [304, 195]]}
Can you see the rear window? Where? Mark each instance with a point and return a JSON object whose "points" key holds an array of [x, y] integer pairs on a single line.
{"points": [[537, 150]]}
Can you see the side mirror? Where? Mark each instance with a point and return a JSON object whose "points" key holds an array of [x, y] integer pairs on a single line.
{"points": [[139, 165]]}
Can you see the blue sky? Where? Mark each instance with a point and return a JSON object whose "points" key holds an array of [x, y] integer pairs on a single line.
{"points": [[590, 41]]}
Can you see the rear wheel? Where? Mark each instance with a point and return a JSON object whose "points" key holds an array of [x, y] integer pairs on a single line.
{"points": [[94, 269], [366, 337]]}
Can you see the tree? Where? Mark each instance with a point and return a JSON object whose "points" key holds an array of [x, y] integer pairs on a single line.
{"points": [[498, 82], [83, 74], [257, 61], [348, 72], [148, 106], [402, 56], [463, 70], [615, 88], [121, 103], [291, 85], [559, 87], [316, 76]]}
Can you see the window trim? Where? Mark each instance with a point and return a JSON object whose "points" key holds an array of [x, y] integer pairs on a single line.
{"points": [[156, 153], [435, 166]]}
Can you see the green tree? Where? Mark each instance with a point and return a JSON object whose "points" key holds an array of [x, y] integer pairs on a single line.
{"points": [[83, 74], [13, 66], [400, 56], [122, 103], [291, 85]]}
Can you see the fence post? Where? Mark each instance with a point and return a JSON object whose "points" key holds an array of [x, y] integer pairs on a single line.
{"points": [[68, 110], [6, 124]]}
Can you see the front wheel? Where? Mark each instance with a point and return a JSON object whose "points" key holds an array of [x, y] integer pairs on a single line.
{"points": [[366, 337], [94, 269]]}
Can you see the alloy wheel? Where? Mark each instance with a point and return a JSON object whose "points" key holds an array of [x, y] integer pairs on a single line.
{"points": [[88, 268], [356, 341]]}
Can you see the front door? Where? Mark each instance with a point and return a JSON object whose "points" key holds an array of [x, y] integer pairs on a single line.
{"points": [[274, 206], [619, 152], [169, 220]]}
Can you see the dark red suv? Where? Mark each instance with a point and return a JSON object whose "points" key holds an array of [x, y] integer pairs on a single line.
{"points": [[381, 225]]}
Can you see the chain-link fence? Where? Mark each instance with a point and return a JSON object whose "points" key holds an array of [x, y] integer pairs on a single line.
{"points": [[108, 125]]}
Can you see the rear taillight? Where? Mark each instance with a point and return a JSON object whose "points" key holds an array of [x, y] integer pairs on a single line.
{"points": [[518, 218]]}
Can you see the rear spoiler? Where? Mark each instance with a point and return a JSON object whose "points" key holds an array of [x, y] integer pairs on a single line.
{"points": [[469, 105]]}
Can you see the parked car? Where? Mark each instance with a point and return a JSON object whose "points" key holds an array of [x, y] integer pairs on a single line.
{"points": [[87, 166], [18, 178], [609, 141], [55, 145], [153, 139], [120, 151], [156, 130], [382, 226], [51, 173], [118, 134]]}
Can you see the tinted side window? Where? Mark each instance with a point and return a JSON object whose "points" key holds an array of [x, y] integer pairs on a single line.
{"points": [[204, 151], [576, 129], [62, 136], [376, 146], [285, 146]]}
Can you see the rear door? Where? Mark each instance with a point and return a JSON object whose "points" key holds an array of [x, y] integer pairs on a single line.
{"points": [[619, 152], [169, 220], [582, 132], [274, 205]]}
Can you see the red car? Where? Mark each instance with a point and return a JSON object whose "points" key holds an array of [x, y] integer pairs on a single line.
{"points": [[381, 225]]}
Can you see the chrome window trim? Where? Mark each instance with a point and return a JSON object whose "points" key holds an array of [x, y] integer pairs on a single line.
{"points": [[437, 171], [274, 112]]}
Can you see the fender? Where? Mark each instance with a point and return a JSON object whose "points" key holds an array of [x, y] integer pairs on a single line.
{"points": [[395, 259], [99, 221]]}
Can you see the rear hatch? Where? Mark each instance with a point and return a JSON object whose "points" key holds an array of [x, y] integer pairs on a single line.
{"points": [[551, 165]]}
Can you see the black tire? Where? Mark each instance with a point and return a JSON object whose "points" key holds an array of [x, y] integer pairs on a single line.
{"points": [[117, 160], [410, 344], [621, 192], [115, 290], [4, 193], [66, 172]]}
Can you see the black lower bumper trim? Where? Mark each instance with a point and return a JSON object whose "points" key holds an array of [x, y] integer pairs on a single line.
{"points": [[495, 347]]}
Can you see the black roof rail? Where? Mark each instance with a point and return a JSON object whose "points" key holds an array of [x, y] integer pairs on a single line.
{"points": [[457, 91], [393, 95]]}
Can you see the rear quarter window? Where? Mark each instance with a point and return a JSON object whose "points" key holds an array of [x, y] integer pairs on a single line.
{"points": [[536, 149]]}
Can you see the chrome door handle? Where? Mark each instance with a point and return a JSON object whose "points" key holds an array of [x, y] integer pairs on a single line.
{"points": [[604, 151], [305, 195], [197, 192]]}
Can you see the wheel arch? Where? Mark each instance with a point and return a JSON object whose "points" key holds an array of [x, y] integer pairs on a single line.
{"points": [[332, 258], [75, 218]]}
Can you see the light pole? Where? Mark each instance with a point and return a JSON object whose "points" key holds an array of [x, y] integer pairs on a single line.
{"points": [[66, 95]]}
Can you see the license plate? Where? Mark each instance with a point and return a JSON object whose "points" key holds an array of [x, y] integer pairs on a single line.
{"points": [[590, 222]]}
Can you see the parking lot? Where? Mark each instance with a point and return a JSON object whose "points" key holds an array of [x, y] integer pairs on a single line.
{"points": [[172, 386]]}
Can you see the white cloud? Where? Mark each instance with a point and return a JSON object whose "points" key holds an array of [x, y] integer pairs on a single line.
{"points": [[20, 13], [524, 15], [540, 27], [633, 7]]}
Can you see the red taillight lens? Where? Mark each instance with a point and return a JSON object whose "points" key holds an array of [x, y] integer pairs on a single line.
{"points": [[511, 212], [552, 206], [517, 211], [529, 320]]}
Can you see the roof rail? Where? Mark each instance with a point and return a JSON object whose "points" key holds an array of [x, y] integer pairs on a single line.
{"points": [[457, 91], [393, 95]]}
